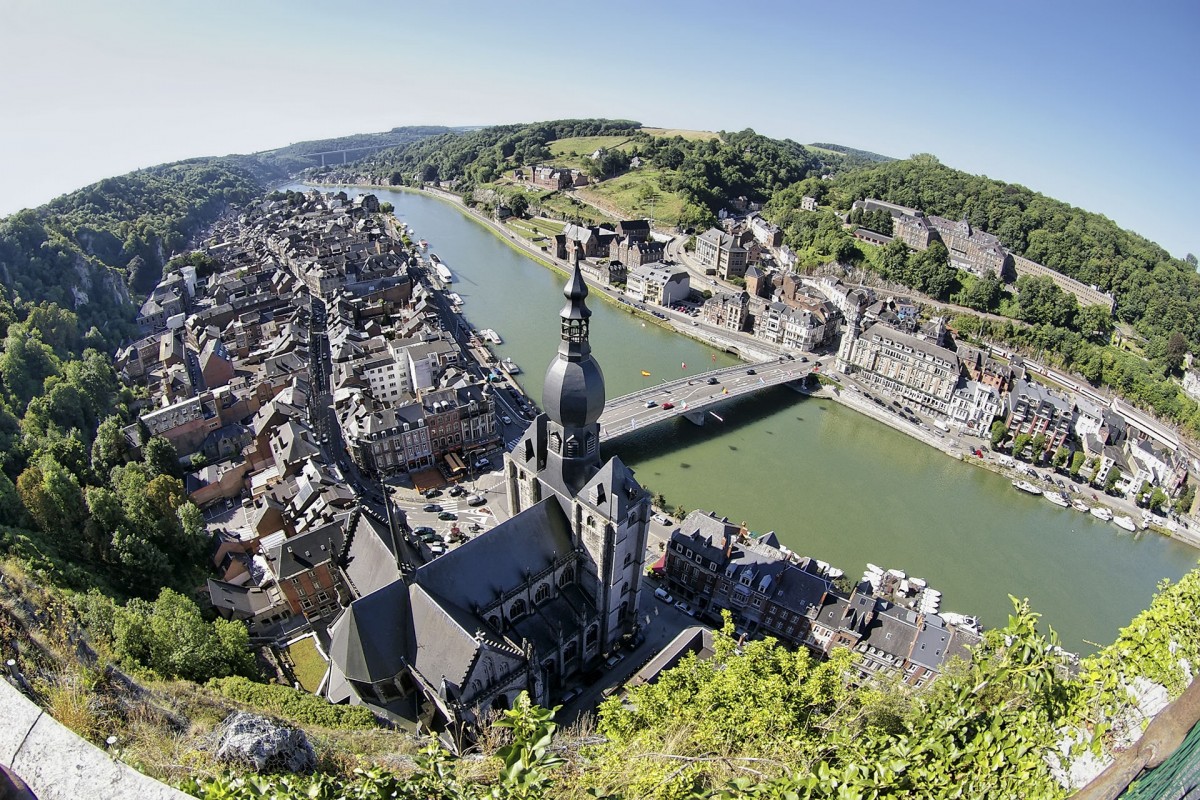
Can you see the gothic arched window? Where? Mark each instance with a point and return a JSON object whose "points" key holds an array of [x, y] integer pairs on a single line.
{"points": [[542, 594]]}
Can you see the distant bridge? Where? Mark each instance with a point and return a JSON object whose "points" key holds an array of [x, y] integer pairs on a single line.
{"points": [[693, 396]]}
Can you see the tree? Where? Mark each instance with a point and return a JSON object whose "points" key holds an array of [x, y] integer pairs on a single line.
{"points": [[1039, 445], [982, 294], [1110, 482], [1077, 463], [1060, 456], [109, 448], [518, 204], [1158, 498], [386, 207], [1177, 347], [1095, 322], [171, 637], [999, 431], [1020, 442], [161, 457]]}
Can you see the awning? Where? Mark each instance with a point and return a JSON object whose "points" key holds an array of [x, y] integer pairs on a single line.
{"points": [[455, 463], [658, 566]]}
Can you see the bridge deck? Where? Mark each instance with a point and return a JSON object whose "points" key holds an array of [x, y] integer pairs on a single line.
{"points": [[694, 394]]}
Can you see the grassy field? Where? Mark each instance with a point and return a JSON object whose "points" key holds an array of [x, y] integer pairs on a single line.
{"points": [[582, 147], [310, 667], [537, 230], [824, 150], [671, 133], [624, 193]]}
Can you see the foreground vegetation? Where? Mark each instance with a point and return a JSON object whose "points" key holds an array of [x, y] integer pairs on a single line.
{"points": [[763, 721]]}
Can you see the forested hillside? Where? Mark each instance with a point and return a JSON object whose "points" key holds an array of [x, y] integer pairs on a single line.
{"points": [[296, 157], [1156, 293], [94, 249]]}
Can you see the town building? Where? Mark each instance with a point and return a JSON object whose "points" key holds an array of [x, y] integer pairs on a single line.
{"points": [[1038, 411], [658, 284], [718, 567], [725, 310], [720, 253], [902, 365]]}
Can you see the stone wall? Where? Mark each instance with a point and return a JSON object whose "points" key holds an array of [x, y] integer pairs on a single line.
{"points": [[56, 763]]}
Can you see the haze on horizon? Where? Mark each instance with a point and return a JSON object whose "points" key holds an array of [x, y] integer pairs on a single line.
{"points": [[1095, 106]]}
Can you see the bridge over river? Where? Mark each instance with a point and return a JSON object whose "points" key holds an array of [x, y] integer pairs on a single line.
{"points": [[693, 396]]}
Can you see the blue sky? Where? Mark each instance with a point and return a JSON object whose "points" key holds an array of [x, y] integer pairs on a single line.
{"points": [[1093, 103]]}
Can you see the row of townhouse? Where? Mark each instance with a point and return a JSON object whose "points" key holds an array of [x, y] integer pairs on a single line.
{"points": [[769, 591]]}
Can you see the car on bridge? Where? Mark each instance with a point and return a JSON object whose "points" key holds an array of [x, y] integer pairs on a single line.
{"points": [[667, 406], [751, 371], [711, 380], [650, 404]]}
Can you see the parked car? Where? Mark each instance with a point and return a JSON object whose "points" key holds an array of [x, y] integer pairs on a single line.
{"points": [[684, 607], [447, 515], [614, 659], [570, 695], [477, 500], [457, 491], [483, 463], [422, 531], [661, 519], [432, 508], [506, 419], [432, 493], [664, 595], [429, 538]]}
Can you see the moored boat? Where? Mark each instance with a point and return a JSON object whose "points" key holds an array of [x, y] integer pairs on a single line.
{"points": [[490, 335], [1058, 498], [1100, 512], [1079, 505], [443, 272], [510, 366], [1026, 486], [1125, 523]]}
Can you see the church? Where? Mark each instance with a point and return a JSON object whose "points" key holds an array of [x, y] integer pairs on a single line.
{"points": [[536, 600]]}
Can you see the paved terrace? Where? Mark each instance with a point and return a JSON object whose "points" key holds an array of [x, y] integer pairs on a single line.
{"points": [[693, 395]]}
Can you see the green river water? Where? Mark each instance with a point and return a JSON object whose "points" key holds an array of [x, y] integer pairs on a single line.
{"points": [[830, 482]]}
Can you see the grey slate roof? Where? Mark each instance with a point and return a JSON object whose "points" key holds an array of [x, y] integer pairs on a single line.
{"points": [[498, 560], [374, 637]]}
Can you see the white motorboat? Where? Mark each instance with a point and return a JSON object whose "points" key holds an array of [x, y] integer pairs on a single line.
{"points": [[1125, 523], [1100, 512], [1026, 486], [1058, 498]]}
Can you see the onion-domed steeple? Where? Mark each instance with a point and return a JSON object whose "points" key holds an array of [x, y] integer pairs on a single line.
{"points": [[573, 393]]}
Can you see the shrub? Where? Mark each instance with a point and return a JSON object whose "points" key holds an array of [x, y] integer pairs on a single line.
{"points": [[300, 707]]}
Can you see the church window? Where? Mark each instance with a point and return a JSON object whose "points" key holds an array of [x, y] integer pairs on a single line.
{"points": [[628, 559], [517, 609], [542, 594], [494, 621], [567, 577], [592, 635], [625, 587]]}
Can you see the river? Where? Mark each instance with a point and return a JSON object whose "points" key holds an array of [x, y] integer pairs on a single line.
{"points": [[830, 482]]}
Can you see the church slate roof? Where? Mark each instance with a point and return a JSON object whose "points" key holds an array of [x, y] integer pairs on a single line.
{"points": [[374, 637], [475, 572]]}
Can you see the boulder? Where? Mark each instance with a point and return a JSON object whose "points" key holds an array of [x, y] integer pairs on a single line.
{"points": [[250, 740]]}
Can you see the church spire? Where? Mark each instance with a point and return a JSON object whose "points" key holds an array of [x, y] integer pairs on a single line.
{"points": [[575, 315], [573, 393]]}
